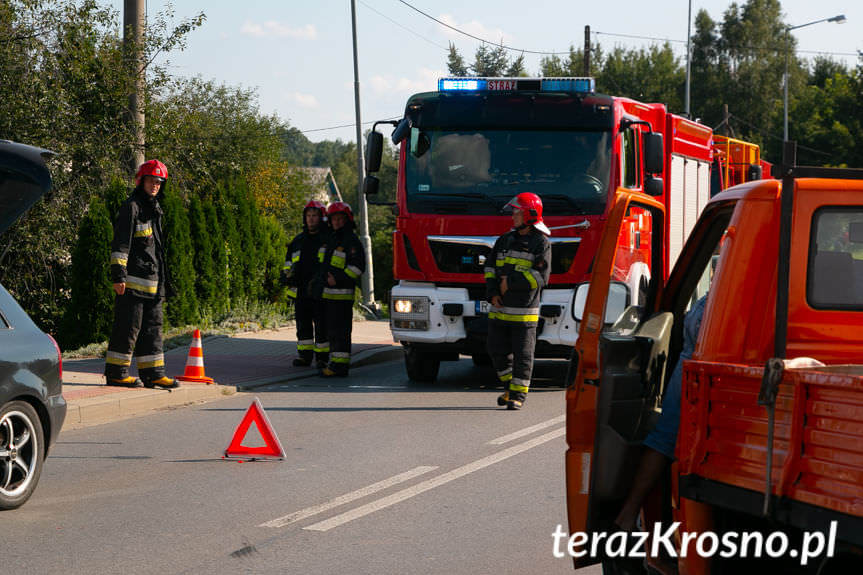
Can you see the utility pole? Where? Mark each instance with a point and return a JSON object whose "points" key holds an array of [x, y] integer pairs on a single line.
{"points": [[587, 50], [368, 277], [688, 57], [134, 18]]}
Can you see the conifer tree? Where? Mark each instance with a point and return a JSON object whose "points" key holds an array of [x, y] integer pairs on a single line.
{"points": [[202, 247], [182, 308], [89, 315], [275, 244], [219, 256]]}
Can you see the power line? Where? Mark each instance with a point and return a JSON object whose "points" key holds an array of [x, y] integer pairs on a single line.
{"points": [[382, 15], [771, 134], [636, 37], [342, 126], [483, 40]]}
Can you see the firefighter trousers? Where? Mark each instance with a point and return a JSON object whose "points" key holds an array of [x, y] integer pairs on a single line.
{"points": [[511, 346], [312, 342], [340, 316], [137, 327]]}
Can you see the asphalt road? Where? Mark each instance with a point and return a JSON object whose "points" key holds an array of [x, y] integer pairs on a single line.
{"points": [[380, 477]]}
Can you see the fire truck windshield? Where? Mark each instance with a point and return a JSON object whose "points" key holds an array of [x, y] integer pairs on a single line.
{"points": [[476, 172]]}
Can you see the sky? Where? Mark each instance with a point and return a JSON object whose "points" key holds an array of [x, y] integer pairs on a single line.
{"points": [[298, 54]]}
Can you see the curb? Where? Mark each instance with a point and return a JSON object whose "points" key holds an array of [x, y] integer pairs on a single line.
{"points": [[97, 410], [125, 404]]}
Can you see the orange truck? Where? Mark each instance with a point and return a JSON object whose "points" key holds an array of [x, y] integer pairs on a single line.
{"points": [[769, 470]]}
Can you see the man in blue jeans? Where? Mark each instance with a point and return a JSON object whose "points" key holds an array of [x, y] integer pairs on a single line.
{"points": [[660, 442]]}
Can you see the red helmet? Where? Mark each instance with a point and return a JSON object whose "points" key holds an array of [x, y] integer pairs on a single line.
{"points": [[531, 206], [340, 208], [316, 205], [153, 168]]}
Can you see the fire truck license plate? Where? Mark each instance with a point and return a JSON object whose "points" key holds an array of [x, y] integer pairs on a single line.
{"points": [[482, 306]]}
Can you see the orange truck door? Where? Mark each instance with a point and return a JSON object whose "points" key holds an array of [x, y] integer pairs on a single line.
{"points": [[609, 411]]}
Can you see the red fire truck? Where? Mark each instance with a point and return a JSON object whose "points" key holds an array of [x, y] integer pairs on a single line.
{"points": [[474, 144]]}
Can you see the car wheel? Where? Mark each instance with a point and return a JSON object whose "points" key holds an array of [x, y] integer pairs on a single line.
{"points": [[21, 453]]}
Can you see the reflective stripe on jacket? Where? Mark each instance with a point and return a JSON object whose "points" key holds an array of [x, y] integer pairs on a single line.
{"points": [[524, 260], [345, 259], [138, 249]]}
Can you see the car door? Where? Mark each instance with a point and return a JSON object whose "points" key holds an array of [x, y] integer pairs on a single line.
{"points": [[621, 360], [625, 363]]}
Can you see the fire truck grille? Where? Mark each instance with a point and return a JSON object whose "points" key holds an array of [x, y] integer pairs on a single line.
{"points": [[456, 258]]}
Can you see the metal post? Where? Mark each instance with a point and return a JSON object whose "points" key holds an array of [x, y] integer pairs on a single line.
{"points": [[688, 57], [785, 88], [368, 286], [587, 50], [134, 18]]}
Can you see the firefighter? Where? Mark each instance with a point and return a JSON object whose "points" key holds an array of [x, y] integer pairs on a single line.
{"points": [[343, 264], [301, 267], [140, 276], [515, 273]]}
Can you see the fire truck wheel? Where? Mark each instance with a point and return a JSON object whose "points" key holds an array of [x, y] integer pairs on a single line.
{"points": [[422, 366]]}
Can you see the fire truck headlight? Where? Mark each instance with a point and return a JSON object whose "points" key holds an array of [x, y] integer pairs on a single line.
{"points": [[404, 305], [410, 312]]}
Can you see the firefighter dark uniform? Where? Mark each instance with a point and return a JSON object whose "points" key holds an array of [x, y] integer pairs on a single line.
{"points": [[344, 261], [302, 263], [522, 256], [138, 261]]}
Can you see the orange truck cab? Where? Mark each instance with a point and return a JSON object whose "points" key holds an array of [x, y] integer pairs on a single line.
{"points": [[781, 263]]}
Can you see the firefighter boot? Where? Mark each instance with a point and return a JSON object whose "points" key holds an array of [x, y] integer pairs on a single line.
{"points": [[503, 398], [127, 381], [301, 362], [163, 382], [516, 400]]}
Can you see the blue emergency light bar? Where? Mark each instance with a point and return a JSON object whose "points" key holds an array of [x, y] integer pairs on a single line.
{"points": [[581, 84]]}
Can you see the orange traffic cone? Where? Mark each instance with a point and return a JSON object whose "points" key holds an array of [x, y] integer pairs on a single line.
{"points": [[195, 362]]}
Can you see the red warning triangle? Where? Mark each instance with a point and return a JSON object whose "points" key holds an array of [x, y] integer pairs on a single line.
{"points": [[255, 414]]}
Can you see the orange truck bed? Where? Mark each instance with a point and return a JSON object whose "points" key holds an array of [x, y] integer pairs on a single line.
{"points": [[818, 433]]}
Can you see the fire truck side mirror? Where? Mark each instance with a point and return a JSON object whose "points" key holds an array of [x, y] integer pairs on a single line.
{"points": [[371, 185], [401, 131], [653, 151], [374, 151]]}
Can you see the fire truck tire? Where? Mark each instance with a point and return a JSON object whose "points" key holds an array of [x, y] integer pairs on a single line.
{"points": [[422, 367]]}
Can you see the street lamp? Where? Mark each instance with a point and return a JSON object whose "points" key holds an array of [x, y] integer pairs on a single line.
{"points": [[840, 19]]}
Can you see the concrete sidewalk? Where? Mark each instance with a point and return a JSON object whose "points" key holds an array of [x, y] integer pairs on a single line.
{"points": [[237, 363]]}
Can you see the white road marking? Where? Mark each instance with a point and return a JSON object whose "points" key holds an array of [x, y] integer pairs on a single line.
{"points": [[348, 497], [429, 484], [527, 431]]}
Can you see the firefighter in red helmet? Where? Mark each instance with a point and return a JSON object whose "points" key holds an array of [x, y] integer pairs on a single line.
{"points": [[302, 262], [139, 272], [343, 263], [515, 273]]}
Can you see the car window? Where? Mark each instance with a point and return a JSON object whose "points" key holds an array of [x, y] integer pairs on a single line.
{"points": [[835, 270]]}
